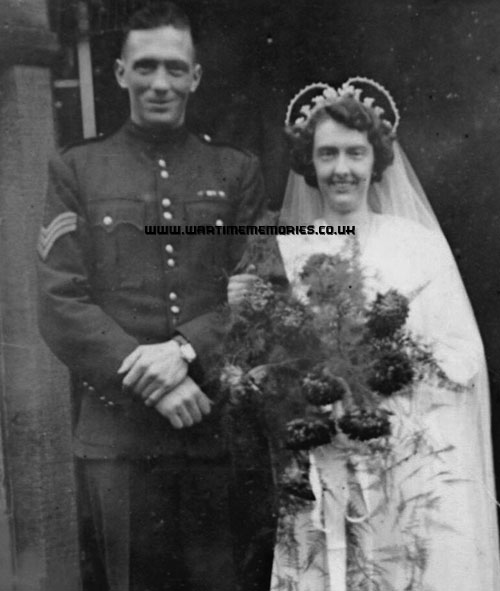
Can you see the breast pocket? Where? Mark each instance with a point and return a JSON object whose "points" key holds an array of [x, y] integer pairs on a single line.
{"points": [[117, 227], [208, 212], [206, 233]]}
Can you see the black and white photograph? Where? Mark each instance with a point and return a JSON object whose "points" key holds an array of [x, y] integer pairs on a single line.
{"points": [[250, 297]]}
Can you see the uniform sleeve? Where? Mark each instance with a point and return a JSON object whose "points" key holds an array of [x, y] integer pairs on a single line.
{"points": [[78, 331], [263, 253], [206, 332], [251, 208]]}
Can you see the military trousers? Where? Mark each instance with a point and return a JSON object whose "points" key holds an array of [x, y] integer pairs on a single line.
{"points": [[162, 524]]}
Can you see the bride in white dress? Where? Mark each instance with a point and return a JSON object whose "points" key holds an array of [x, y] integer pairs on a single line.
{"points": [[432, 525]]}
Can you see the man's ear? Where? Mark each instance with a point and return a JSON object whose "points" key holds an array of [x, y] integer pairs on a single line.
{"points": [[197, 72], [119, 68]]}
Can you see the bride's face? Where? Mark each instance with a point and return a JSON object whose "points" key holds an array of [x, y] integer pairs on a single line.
{"points": [[343, 159]]}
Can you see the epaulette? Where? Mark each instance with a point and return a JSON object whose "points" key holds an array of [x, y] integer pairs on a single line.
{"points": [[207, 139], [84, 142]]}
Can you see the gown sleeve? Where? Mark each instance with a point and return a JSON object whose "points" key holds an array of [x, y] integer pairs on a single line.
{"points": [[447, 318]]}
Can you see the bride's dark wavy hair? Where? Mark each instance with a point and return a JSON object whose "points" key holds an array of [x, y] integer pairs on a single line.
{"points": [[352, 114]]}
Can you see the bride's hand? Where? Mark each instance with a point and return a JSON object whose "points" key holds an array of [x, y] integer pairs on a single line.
{"points": [[238, 287]]}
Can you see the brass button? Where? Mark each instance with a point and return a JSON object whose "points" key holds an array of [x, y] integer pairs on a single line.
{"points": [[175, 309], [171, 262], [172, 296], [162, 163], [167, 215], [169, 248], [164, 174], [107, 220], [166, 202]]}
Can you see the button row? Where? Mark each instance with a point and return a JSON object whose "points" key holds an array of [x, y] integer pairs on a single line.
{"points": [[172, 296], [102, 398], [164, 173]]}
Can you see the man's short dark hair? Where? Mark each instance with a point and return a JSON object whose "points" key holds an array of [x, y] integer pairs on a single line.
{"points": [[352, 114], [157, 14]]}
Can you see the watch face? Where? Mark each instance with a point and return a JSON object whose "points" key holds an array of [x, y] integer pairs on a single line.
{"points": [[188, 353]]}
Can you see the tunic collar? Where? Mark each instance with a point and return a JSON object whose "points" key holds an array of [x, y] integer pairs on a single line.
{"points": [[156, 136]]}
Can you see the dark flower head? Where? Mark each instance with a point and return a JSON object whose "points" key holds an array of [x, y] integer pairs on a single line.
{"points": [[387, 314], [362, 424], [321, 388], [304, 434], [391, 372]]}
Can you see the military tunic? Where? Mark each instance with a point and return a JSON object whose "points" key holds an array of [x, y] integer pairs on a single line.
{"points": [[158, 496], [107, 286]]}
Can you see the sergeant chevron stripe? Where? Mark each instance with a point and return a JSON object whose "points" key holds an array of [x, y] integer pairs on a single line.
{"points": [[62, 224]]}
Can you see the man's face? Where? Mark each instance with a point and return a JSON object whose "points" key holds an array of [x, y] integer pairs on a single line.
{"points": [[343, 159], [159, 71]]}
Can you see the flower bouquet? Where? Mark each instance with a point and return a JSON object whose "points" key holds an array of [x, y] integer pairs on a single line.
{"points": [[322, 367], [317, 369]]}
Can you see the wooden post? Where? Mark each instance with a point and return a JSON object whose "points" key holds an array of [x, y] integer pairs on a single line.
{"points": [[85, 73]]}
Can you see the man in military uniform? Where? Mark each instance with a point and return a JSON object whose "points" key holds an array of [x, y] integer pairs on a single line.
{"points": [[134, 316]]}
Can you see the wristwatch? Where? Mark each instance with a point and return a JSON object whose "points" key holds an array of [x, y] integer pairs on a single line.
{"points": [[186, 349]]}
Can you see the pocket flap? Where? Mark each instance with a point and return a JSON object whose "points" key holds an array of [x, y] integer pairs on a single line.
{"points": [[110, 213], [207, 211]]}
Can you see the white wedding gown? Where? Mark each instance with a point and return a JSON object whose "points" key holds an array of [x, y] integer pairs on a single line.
{"points": [[427, 519]]}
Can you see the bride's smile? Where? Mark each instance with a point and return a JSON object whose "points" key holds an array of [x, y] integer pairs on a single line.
{"points": [[343, 159]]}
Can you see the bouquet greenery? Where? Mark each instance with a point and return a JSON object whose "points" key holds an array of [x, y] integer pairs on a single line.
{"points": [[332, 346], [318, 367]]}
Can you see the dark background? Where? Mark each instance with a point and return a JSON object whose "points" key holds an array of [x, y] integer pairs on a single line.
{"points": [[440, 59]]}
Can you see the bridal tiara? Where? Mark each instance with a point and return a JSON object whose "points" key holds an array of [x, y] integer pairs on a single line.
{"points": [[369, 93]]}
